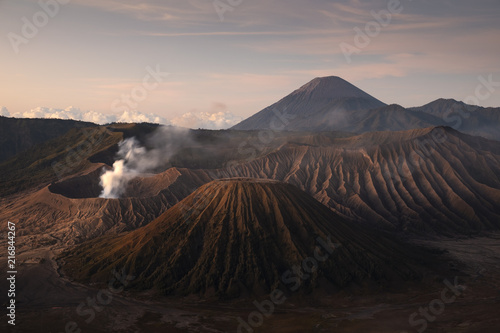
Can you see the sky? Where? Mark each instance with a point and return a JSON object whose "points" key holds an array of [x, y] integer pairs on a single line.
{"points": [[206, 63]]}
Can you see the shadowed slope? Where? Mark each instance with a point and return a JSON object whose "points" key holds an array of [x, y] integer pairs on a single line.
{"points": [[470, 119], [391, 118], [18, 135], [237, 237], [64, 156]]}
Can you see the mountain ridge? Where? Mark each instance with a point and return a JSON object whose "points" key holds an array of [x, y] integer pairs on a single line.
{"points": [[333, 104], [20, 134], [470, 119], [424, 181]]}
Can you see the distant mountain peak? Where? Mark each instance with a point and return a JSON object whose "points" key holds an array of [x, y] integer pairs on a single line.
{"points": [[332, 87], [447, 101], [331, 81], [315, 106]]}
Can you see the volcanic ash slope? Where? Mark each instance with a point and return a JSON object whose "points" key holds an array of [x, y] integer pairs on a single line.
{"points": [[240, 237]]}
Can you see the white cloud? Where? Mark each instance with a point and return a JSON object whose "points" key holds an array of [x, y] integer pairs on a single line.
{"points": [[216, 118], [91, 116], [138, 117], [4, 112]]}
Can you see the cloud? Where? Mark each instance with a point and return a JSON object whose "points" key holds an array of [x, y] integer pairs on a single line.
{"points": [[4, 112], [207, 120], [183, 12], [91, 116], [216, 118], [138, 117], [235, 33]]}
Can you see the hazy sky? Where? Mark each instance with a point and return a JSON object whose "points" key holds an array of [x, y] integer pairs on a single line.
{"points": [[93, 51]]}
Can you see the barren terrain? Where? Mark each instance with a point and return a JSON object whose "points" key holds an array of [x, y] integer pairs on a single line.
{"points": [[53, 301]]}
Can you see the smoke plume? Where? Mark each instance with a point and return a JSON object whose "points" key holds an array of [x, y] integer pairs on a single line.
{"points": [[134, 160]]}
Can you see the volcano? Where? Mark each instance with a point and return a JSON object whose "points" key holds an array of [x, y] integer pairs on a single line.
{"points": [[322, 104], [238, 237], [333, 104]]}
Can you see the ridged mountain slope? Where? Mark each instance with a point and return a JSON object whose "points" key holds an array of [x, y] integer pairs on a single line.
{"points": [[242, 235]]}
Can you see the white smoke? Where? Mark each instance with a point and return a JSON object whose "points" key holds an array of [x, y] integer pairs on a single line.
{"points": [[134, 160], [114, 182]]}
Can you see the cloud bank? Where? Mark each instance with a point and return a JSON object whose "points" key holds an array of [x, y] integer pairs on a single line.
{"points": [[206, 120], [217, 118], [4, 112], [90, 116]]}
